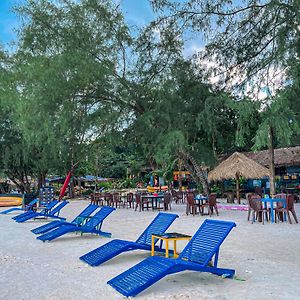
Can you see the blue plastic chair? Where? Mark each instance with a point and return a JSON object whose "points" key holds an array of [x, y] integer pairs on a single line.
{"points": [[27, 207], [45, 210], [196, 256], [54, 213], [92, 226], [77, 221], [113, 248]]}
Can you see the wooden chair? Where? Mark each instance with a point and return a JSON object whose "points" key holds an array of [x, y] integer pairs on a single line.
{"points": [[279, 211], [191, 207], [211, 204]]}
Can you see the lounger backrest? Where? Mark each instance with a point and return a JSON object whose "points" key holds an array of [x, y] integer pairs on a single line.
{"points": [[158, 226], [206, 241], [30, 205], [86, 212], [32, 202], [49, 206], [56, 209], [99, 217]]}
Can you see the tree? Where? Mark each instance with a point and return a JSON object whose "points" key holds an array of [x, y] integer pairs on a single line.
{"points": [[172, 128], [276, 128], [249, 39], [254, 42]]}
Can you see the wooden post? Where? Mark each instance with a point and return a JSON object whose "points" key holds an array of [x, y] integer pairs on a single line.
{"points": [[237, 179]]}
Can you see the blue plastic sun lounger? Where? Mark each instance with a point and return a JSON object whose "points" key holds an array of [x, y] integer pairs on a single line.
{"points": [[77, 221], [45, 210], [54, 213], [113, 248], [196, 256], [28, 207], [92, 226]]}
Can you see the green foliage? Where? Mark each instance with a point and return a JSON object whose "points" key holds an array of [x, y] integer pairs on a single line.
{"points": [[247, 38], [80, 88], [281, 118]]}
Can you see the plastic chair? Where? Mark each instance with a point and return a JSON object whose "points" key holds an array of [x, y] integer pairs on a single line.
{"points": [[211, 205], [279, 211], [191, 206]]}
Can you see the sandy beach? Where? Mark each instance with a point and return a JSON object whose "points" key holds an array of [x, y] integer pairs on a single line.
{"points": [[265, 257]]}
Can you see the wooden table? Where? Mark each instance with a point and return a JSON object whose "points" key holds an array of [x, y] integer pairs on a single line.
{"points": [[166, 237], [154, 199]]}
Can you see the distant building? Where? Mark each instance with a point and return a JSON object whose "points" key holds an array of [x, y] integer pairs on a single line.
{"points": [[287, 166], [286, 160]]}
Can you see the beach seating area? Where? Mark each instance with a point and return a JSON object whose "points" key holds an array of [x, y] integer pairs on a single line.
{"points": [[248, 254]]}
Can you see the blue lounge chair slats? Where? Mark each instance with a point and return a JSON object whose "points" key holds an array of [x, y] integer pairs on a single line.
{"points": [[196, 256], [54, 213], [104, 253], [28, 207], [92, 226], [203, 246], [45, 210], [77, 221]]}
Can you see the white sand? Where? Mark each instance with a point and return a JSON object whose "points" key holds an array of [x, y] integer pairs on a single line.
{"points": [[266, 256]]}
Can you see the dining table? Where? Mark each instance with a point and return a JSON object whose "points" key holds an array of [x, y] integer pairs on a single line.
{"points": [[155, 199], [271, 202], [199, 201]]}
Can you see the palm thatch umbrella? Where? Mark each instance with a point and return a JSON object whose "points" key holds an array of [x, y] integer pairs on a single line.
{"points": [[236, 166]]}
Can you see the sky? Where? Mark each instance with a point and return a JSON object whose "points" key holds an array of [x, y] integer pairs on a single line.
{"points": [[8, 21], [137, 13]]}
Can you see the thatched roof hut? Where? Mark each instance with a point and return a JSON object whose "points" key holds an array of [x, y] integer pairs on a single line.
{"points": [[283, 157], [234, 167], [238, 163]]}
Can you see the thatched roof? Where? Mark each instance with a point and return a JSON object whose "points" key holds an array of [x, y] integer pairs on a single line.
{"points": [[283, 157], [238, 163]]}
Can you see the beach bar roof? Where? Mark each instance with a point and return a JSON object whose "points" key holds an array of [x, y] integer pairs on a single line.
{"points": [[235, 166], [240, 164]]}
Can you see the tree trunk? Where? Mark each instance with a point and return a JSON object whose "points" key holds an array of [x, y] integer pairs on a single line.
{"points": [[79, 185], [271, 161], [196, 171], [237, 179], [41, 180], [71, 188]]}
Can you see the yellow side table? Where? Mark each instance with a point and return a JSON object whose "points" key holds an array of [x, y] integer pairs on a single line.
{"points": [[166, 237]]}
